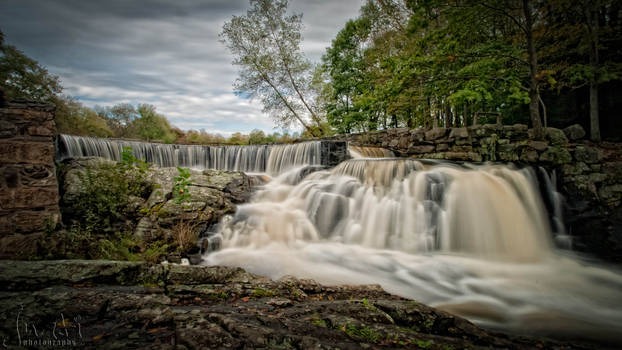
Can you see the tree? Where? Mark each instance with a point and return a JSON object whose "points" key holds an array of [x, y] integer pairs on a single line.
{"points": [[266, 45], [22, 77], [153, 126], [256, 137]]}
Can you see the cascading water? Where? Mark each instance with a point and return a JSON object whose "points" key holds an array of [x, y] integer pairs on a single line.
{"points": [[369, 152], [473, 240], [273, 159]]}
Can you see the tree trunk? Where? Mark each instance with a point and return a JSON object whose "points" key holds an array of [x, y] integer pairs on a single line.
{"points": [[534, 96], [592, 26]]}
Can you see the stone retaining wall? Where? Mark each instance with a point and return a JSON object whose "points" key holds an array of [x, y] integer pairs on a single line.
{"points": [[28, 184]]}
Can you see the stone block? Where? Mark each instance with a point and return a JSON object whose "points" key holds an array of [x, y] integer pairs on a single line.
{"points": [[538, 145], [7, 224], [555, 136], [529, 155], [459, 133], [33, 221], [39, 131], [575, 168], [435, 134], [37, 175], [461, 149], [7, 129], [34, 197], [574, 132], [20, 247], [556, 155], [442, 147], [421, 149], [8, 152], [37, 153], [587, 154], [9, 176], [417, 135]]}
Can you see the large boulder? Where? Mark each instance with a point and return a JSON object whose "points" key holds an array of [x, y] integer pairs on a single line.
{"points": [[158, 218], [555, 136], [574, 132]]}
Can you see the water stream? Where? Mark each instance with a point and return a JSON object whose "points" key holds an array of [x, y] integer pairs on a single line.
{"points": [[474, 240]]}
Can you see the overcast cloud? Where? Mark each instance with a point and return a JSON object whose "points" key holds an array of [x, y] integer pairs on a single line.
{"points": [[161, 52]]}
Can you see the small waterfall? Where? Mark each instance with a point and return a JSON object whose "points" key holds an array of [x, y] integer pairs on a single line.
{"points": [[369, 152], [273, 159], [402, 204]]}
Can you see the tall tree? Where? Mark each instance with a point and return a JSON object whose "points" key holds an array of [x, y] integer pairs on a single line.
{"points": [[266, 45]]}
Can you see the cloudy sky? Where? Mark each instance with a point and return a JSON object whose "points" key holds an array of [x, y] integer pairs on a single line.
{"points": [[162, 52]]}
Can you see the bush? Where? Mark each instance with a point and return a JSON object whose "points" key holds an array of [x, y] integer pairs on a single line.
{"points": [[107, 190]]}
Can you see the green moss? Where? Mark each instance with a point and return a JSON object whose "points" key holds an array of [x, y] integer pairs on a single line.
{"points": [[260, 293], [218, 296], [423, 344], [362, 333], [319, 322]]}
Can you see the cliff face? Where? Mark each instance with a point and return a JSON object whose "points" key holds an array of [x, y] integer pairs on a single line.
{"points": [[589, 175]]}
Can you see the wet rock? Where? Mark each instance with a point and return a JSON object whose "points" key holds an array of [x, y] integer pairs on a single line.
{"points": [[131, 305], [574, 132]]}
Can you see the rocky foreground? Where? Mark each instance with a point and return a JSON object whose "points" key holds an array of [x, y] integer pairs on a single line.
{"points": [[129, 305]]}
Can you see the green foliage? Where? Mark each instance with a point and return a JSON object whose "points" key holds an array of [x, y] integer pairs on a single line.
{"points": [[106, 191], [319, 322], [181, 187], [154, 251], [362, 333], [23, 78], [415, 63], [153, 126], [265, 44]]}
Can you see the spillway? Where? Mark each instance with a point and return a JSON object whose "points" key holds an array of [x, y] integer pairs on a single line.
{"points": [[271, 159]]}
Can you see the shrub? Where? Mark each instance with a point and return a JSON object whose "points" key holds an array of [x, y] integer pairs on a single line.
{"points": [[107, 190]]}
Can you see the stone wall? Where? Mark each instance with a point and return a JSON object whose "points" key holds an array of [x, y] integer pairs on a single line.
{"points": [[588, 175], [28, 185]]}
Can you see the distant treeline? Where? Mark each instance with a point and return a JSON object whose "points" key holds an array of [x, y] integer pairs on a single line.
{"points": [[143, 122]]}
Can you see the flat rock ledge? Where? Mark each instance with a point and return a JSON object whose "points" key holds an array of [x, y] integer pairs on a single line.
{"points": [[130, 305]]}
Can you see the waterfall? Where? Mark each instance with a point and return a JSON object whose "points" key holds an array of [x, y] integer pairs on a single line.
{"points": [[369, 152], [474, 240], [273, 159], [402, 205]]}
